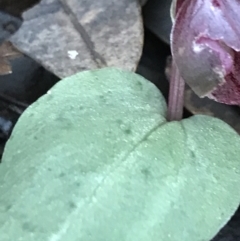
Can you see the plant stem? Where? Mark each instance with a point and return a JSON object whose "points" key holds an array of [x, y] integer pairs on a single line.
{"points": [[176, 95]]}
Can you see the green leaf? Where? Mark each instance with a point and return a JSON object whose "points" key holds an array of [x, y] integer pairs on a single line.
{"points": [[95, 160]]}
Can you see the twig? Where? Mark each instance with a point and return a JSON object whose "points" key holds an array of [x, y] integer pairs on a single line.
{"points": [[11, 100], [16, 109]]}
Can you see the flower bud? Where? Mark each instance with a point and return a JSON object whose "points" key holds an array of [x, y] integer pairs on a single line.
{"points": [[205, 44]]}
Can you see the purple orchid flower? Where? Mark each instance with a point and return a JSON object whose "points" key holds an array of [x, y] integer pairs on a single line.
{"points": [[205, 43]]}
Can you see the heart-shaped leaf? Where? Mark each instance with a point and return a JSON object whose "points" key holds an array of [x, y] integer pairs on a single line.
{"points": [[95, 160]]}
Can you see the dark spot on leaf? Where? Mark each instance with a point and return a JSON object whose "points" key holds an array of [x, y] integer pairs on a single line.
{"points": [[35, 138], [72, 205], [125, 127], [8, 207], [139, 85], [119, 122], [193, 154], [145, 138], [49, 169], [81, 107], [128, 131], [146, 172], [77, 184], [108, 133], [64, 121], [103, 98], [223, 215], [62, 174], [28, 227]]}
